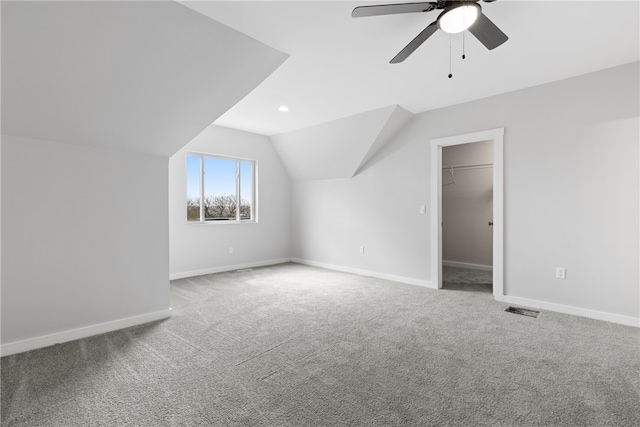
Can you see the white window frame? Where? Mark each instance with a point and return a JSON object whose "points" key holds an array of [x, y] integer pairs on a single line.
{"points": [[254, 188]]}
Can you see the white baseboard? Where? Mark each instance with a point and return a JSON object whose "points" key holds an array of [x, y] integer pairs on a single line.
{"points": [[74, 334], [401, 279], [577, 311], [467, 265], [222, 269]]}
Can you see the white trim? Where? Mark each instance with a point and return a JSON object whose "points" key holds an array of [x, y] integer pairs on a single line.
{"points": [[201, 185], [224, 222], [237, 160], [394, 278], [497, 136], [576, 311], [222, 269], [86, 331], [238, 195], [467, 265], [219, 156], [436, 215]]}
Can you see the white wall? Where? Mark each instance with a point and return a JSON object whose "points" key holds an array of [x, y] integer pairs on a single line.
{"points": [[84, 241], [467, 206], [379, 209], [571, 194], [201, 248]]}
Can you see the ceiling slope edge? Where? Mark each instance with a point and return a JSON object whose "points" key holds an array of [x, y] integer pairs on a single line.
{"points": [[144, 77], [337, 149], [398, 119]]}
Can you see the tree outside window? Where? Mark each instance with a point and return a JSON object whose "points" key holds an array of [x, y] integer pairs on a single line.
{"points": [[220, 188]]}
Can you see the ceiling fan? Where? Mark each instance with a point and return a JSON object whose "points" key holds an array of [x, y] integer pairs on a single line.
{"points": [[456, 16]]}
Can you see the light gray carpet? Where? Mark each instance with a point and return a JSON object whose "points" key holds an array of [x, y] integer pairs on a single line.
{"points": [[292, 345]]}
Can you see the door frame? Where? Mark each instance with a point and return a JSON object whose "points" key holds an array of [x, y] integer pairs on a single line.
{"points": [[497, 136]]}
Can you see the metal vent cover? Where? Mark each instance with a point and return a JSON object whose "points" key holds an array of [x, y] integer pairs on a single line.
{"points": [[522, 311]]}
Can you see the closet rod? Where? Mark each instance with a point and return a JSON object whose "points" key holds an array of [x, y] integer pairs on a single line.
{"points": [[464, 167]]}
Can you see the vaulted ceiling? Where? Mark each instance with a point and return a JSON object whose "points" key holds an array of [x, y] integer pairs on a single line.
{"points": [[339, 65], [139, 76], [346, 101], [149, 76], [339, 148]]}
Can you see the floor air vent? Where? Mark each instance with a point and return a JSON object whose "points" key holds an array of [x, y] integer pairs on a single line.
{"points": [[522, 311]]}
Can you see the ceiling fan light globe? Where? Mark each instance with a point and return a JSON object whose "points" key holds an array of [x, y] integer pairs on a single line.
{"points": [[458, 18]]}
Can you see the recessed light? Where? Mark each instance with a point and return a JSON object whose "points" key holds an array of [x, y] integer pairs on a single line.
{"points": [[283, 108]]}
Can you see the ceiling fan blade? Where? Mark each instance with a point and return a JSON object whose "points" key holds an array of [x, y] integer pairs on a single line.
{"points": [[390, 9], [415, 43], [487, 32]]}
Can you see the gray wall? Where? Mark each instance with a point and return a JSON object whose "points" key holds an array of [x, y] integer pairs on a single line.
{"points": [[467, 206], [571, 194], [84, 237], [200, 248]]}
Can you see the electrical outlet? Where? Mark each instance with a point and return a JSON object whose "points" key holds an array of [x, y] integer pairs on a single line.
{"points": [[561, 273], [361, 249], [230, 249], [423, 209]]}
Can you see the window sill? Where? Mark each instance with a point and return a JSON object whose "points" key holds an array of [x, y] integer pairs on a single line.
{"points": [[253, 221]]}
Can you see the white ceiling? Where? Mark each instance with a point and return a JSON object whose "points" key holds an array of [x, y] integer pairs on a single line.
{"points": [[339, 66]]}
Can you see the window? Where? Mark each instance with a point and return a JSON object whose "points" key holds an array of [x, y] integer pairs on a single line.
{"points": [[220, 188]]}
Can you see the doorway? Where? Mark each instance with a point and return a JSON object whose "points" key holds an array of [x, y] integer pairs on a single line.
{"points": [[467, 216], [497, 137]]}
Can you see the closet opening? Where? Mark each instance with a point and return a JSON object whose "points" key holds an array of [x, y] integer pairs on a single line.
{"points": [[472, 212], [467, 217]]}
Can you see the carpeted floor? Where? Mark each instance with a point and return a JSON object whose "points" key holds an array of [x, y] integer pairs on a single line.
{"points": [[293, 345]]}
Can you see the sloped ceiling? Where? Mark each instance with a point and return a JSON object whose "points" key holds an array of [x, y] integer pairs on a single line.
{"points": [[339, 148], [339, 65], [140, 76]]}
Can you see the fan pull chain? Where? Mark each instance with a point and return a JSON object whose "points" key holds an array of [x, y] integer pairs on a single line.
{"points": [[463, 55], [450, 75]]}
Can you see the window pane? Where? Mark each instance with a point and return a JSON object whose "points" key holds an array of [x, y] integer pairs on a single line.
{"points": [[193, 188], [246, 191], [219, 189]]}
